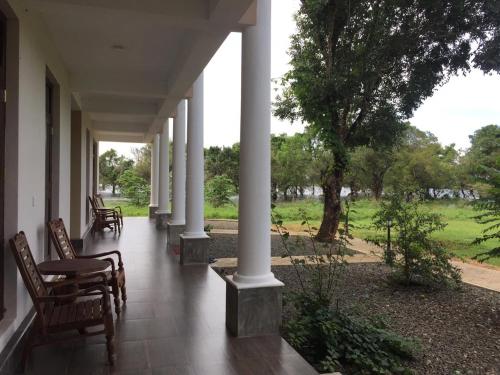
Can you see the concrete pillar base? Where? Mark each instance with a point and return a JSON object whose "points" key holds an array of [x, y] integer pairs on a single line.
{"points": [[152, 211], [162, 220], [173, 233], [194, 250], [253, 311]]}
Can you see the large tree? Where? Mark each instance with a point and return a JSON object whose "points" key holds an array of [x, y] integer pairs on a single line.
{"points": [[422, 165], [290, 164], [111, 167], [359, 68], [142, 164], [367, 169], [484, 156], [221, 161]]}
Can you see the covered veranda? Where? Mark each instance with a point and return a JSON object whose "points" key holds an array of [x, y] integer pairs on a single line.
{"points": [[173, 322]]}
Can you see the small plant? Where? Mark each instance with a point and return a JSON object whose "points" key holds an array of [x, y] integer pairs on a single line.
{"points": [[416, 257], [490, 213], [330, 339], [218, 190]]}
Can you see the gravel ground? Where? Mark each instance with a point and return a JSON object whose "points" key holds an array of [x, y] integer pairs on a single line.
{"points": [[459, 329]]}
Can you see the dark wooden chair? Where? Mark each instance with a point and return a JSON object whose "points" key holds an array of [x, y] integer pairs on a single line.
{"points": [[57, 313], [104, 218], [115, 278], [100, 205]]}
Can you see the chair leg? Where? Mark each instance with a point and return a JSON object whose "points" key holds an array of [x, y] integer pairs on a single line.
{"points": [[110, 347], [124, 293], [116, 295], [110, 335]]}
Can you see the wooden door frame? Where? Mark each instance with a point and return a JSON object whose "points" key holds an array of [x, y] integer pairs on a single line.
{"points": [[52, 154], [3, 88], [49, 159]]}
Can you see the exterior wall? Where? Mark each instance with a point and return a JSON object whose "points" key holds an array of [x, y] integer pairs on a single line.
{"points": [[26, 135]]}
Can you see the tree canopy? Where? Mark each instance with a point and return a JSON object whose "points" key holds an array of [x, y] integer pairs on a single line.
{"points": [[360, 68], [111, 167]]}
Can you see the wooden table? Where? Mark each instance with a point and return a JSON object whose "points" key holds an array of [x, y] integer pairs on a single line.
{"points": [[72, 267]]}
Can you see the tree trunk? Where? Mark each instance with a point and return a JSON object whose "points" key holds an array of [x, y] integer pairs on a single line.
{"points": [[114, 189], [332, 186], [274, 195]]}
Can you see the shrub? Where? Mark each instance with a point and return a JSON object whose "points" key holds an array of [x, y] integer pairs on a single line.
{"points": [[218, 190], [134, 187], [336, 341], [416, 257], [330, 339], [489, 205]]}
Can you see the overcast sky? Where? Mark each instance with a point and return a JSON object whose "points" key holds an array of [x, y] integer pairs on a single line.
{"points": [[455, 111]]}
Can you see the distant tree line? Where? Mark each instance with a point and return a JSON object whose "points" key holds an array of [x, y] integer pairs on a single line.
{"points": [[416, 164]]}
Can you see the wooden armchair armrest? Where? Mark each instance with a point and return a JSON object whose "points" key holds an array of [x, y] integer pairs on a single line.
{"points": [[111, 261], [106, 211], [106, 253]]}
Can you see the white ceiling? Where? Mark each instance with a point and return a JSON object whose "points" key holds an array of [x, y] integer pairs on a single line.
{"points": [[130, 61]]}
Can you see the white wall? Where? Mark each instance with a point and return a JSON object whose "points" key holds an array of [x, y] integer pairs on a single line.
{"points": [[36, 55]]}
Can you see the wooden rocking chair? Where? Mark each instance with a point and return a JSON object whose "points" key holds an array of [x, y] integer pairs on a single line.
{"points": [[115, 278], [100, 205], [57, 313], [104, 218]]}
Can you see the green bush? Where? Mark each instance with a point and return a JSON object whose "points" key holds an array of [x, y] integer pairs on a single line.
{"points": [[328, 338], [218, 190], [134, 187], [336, 341], [416, 257]]}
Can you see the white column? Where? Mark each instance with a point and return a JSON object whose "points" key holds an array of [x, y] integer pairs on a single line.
{"points": [[179, 166], [164, 172], [155, 157], [195, 164], [254, 240], [97, 188]]}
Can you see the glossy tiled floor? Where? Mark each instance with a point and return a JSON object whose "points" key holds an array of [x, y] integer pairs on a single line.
{"points": [[173, 322]]}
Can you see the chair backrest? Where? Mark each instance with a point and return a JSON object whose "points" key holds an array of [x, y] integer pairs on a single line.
{"points": [[27, 267], [60, 239], [99, 201], [93, 204]]}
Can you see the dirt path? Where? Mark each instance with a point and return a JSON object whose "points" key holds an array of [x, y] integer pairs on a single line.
{"points": [[472, 273]]}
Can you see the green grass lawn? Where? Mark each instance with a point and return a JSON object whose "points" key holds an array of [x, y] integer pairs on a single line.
{"points": [[457, 235]]}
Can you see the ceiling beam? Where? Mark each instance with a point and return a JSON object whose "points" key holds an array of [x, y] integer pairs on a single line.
{"points": [[197, 15], [116, 105], [122, 127], [119, 137], [89, 83], [184, 8]]}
